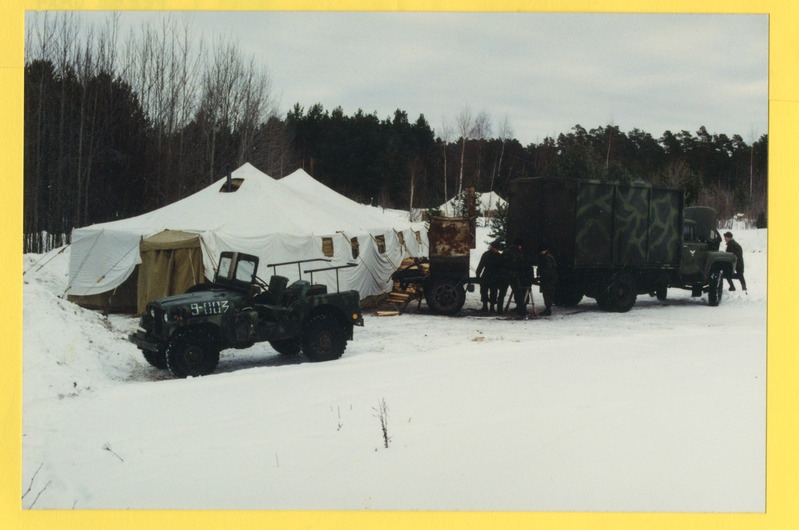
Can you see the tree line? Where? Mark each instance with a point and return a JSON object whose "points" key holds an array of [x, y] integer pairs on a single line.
{"points": [[112, 134]]}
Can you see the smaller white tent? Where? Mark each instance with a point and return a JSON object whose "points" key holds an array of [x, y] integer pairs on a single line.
{"points": [[294, 218], [487, 204]]}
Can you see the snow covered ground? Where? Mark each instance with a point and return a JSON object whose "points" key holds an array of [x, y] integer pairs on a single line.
{"points": [[661, 409]]}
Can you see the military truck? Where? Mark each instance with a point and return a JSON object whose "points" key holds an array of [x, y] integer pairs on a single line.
{"points": [[615, 241], [185, 333]]}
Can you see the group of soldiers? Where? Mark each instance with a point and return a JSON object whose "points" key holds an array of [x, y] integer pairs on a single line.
{"points": [[513, 268]]}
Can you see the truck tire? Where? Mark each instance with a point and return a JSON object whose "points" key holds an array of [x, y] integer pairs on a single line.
{"points": [[287, 346], [661, 292], [324, 338], [622, 293], [186, 358], [156, 358], [715, 287], [445, 297]]}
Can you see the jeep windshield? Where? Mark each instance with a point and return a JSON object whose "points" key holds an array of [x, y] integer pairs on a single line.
{"points": [[236, 270]]}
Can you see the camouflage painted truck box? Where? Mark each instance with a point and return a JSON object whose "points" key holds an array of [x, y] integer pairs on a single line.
{"points": [[615, 241]]}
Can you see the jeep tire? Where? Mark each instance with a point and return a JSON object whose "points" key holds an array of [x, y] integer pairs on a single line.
{"points": [[324, 338], [156, 358], [187, 358]]}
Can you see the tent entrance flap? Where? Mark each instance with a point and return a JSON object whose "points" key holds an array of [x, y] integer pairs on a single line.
{"points": [[171, 262]]}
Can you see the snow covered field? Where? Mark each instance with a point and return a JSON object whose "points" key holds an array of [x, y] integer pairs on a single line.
{"points": [[660, 409]]}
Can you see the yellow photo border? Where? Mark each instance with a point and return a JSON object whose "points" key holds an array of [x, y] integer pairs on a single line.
{"points": [[782, 403]]}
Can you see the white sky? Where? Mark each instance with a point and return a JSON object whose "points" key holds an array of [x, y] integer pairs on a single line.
{"points": [[544, 72]]}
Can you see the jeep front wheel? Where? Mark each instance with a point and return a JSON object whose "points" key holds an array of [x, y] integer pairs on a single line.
{"points": [[156, 358], [324, 339], [185, 359]]}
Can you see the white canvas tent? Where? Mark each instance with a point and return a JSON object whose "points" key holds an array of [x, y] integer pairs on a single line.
{"points": [[277, 220], [487, 204]]}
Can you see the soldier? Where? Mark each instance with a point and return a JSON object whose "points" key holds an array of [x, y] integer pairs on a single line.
{"points": [[520, 275], [489, 271], [735, 248], [547, 277]]}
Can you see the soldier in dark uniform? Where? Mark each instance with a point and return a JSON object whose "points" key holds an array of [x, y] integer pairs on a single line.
{"points": [[519, 270], [735, 248], [489, 270], [547, 277]]}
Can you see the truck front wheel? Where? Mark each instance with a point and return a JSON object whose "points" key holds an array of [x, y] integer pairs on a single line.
{"points": [[715, 287], [324, 338], [185, 359]]}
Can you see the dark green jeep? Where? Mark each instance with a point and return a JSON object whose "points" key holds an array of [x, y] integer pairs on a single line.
{"points": [[186, 332]]}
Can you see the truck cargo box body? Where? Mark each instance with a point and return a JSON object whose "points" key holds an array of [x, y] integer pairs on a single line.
{"points": [[590, 224]]}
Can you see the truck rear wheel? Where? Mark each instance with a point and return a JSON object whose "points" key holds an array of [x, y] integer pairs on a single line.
{"points": [[446, 297], [185, 358], [715, 287], [324, 338], [622, 293]]}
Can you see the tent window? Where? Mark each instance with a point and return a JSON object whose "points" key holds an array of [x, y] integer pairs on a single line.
{"points": [[381, 243], [401, 238], [327, 246], [235, 184], [356, 247], [418, 236]]}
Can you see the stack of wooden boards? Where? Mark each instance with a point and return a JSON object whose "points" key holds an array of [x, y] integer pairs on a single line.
{"points": [[413, 291]]}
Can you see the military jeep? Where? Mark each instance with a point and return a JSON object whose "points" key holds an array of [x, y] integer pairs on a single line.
{"points": [[185, 333]]}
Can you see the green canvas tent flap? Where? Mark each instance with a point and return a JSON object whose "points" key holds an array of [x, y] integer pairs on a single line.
{"points": [[171, 262]]}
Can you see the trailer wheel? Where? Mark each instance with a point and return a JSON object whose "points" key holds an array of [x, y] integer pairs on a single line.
{"points": [[715, 287], [446, 297], [622, 293], [661, 292]]}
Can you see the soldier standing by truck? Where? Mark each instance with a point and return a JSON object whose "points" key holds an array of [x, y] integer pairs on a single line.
{"points": [[489, 270], [734, 248], [520, 275], [547, 277]]}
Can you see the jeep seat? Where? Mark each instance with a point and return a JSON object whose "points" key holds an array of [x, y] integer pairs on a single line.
{"points": [[276, 290], [295, 291]]}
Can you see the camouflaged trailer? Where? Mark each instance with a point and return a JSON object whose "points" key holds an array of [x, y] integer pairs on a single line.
{"points": [[615, 241], [186, 332]]}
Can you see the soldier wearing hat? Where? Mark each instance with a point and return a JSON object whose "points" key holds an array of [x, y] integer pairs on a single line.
{"points": [[547, 276], [735, 248], [489, 269]]}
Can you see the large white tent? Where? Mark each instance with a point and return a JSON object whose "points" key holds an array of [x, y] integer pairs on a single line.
{"points": [[295, 218]]}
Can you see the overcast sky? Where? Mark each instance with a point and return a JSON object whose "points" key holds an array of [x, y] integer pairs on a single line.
{"points": [[544, 72]]}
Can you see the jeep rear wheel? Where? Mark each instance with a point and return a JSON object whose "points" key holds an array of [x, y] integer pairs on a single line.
{"points": [[286, 346], [186, 359], [324, 338], [715, 287]]}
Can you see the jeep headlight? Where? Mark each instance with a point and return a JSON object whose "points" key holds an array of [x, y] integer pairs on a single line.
{"points": [[166, 316]]}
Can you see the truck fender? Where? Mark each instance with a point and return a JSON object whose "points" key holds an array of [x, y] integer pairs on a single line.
{"points": [[720, 260]]}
